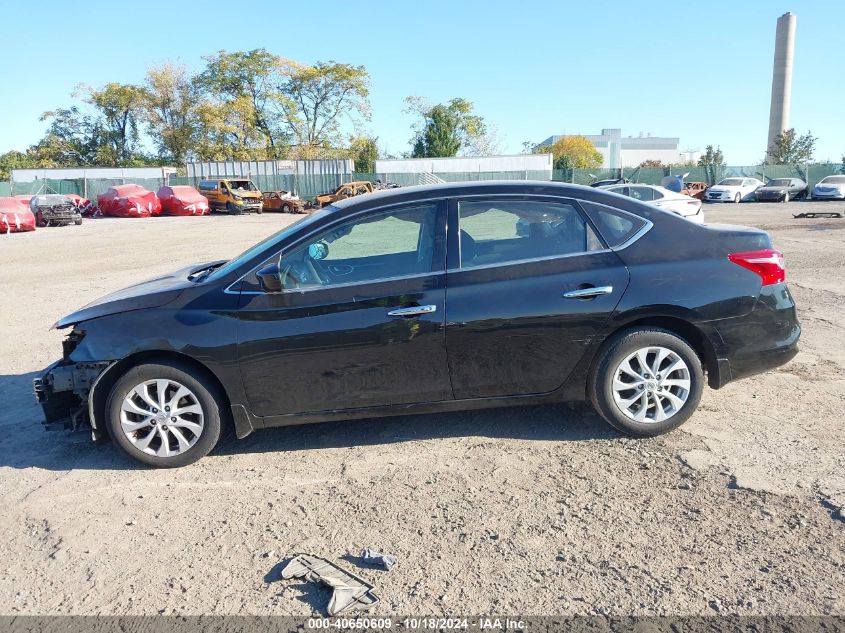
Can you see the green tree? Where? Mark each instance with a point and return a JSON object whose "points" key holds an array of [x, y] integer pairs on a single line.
{"points": [[573, 152], [115, 135], [790, 149], [446, 129], [714, 163], [241, 113], [316, 99], [14, 159], [172, 111], [652, 163], [364, 151], [69, 140]]}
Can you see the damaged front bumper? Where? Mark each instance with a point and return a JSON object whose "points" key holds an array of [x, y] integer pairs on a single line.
{"points": [[64, 391]]}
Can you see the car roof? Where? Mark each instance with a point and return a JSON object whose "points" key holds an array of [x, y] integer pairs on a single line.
{"points": [[448, 189]]}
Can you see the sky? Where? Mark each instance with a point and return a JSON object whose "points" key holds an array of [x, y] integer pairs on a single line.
{"points": [[700, 71]]}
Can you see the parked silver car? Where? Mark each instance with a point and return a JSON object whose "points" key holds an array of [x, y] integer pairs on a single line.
{"points": [[830, 188]]}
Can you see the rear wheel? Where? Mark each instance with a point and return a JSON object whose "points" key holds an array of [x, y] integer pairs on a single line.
{"points": [[648, 381], [164, 414]]}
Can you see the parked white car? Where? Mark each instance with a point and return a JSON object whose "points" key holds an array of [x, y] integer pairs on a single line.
{"points": [[685, 206], [830, 188], [733, 190]]}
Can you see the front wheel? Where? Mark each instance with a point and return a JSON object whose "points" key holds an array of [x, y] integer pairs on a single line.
{"points": [[737, 198], [233, 209], [164, 414], [647, 381], [786, 197]]}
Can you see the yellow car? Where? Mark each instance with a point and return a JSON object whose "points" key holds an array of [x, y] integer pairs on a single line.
{"points": [[233, 195]]}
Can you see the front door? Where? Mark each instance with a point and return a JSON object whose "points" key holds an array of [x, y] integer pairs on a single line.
{"points": [[360, 321], [529, 285]]}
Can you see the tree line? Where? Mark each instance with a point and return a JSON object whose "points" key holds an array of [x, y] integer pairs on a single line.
{"points": [[243, 105]]}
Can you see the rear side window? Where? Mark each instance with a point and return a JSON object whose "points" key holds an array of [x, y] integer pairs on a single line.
{"points": [[615, 226], [503, 231]]}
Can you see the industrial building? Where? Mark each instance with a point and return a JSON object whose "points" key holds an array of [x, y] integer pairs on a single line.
{"points": [[629, 151]]}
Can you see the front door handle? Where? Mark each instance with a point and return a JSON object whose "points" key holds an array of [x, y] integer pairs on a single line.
{"points": [[585, 293], [412, 311]]}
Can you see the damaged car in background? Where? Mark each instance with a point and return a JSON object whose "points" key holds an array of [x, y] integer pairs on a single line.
{"points": [[608, 300], [54, 210]]}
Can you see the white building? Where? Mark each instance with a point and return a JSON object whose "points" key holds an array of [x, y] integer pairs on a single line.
{"points": [[516, 166], [629, 151]]}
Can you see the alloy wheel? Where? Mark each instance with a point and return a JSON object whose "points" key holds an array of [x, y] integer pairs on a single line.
{"points": [[651, 385], [161, 417]]}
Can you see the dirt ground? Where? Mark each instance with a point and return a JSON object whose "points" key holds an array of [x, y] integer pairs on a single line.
{"points": [[539, 510]]}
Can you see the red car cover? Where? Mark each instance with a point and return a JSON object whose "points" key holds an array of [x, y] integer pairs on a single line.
{"points": [[14, 217], [24, 199], [182, 200], [129, 201], [85, 206]]}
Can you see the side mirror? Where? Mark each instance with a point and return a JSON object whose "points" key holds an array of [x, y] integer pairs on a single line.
{"points": [[270, 278], [318, 250]]}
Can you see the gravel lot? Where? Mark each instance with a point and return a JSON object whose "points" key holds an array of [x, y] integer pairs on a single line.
{"points": [[539, 510]]}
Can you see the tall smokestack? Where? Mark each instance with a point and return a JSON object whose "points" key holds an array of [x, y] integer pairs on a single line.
{"points": [[782, 77]]}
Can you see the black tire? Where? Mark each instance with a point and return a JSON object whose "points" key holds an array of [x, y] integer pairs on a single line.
{"points": [[738, 198], [619, 347], [286, 208], [39, 220], [78, 221], [207, 395], [232, 209]]}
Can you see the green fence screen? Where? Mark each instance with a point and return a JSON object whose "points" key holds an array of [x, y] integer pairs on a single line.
{"points": [[308, 186]]}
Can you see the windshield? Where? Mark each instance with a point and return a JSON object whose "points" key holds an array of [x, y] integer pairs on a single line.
{"points": [[732, 182], [833, 180], [241, 185], [783, 182], [252, 251]]}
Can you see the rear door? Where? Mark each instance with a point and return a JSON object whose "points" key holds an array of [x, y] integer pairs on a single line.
{"points": [[529, 284]]}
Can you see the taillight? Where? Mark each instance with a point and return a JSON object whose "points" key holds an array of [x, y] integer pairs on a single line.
{"points": [[768, 263]]}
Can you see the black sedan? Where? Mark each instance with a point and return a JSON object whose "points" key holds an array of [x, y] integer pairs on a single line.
{"points": [[427, 299], [782, 190]]}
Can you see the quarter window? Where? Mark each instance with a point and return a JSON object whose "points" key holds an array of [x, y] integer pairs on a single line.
{"points": [[615, 226], [502, 231]]}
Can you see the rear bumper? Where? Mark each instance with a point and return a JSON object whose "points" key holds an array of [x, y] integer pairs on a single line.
{"points": [[759, 341]]}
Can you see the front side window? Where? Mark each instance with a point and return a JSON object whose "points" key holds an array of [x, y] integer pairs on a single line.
{"points": [[503, 231], [394, 243]]}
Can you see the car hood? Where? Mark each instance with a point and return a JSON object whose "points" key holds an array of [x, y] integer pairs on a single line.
{"points": [[722, 188], [829, 185], [152, 293]]}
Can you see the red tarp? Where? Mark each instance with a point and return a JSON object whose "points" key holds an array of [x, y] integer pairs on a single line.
{"points": [[83, 204], [182, 200], [15, 217], [129, 201]]}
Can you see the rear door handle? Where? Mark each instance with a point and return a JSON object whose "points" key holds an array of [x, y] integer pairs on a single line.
{"points": [[412, 311], [584, 293]]}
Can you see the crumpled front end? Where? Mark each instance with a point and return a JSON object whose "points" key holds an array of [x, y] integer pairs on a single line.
{"points": [[64, 390]]}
